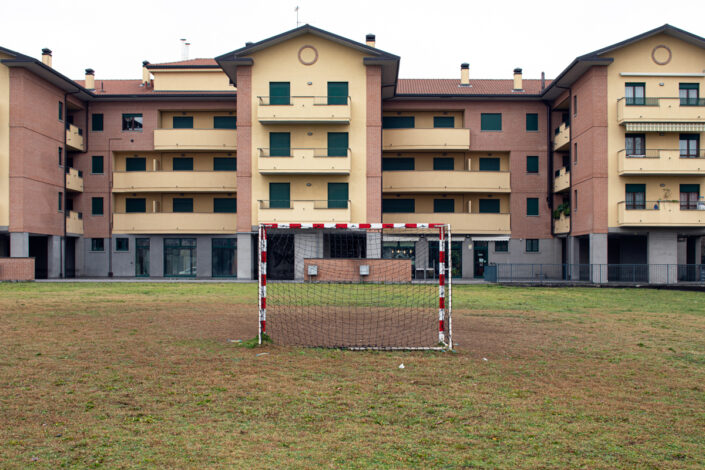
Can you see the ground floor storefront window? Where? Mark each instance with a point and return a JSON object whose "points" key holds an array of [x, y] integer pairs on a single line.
{"points": [[224, 257], [179, 257]]}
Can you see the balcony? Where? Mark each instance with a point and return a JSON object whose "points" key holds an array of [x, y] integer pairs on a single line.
{"points": [[304, 161], [174, 222], [303, 109], [662, 110], [660, 214], [460, 222], [561, 140], [195, 139], [74, 180], [174, 181], [562, 224], [74, 138], [661, 162], [459, 181], [74, 223], [561, 180], [304, 212], [425, 139]]}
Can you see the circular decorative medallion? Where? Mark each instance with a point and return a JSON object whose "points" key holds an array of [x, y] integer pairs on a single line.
{"points": [[308, 55], [661, 55]]}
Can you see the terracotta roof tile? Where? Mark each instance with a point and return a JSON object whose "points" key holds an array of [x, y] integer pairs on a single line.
{"points": [[450, 86], [186, 63]]}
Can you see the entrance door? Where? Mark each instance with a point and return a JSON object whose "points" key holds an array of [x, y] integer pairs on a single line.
{"points": [[480, 258], [142, 257], [280, 257], [70, 257], [456, 257], [39, 250]]}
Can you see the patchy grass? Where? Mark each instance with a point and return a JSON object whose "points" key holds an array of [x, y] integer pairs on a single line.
{"points": [[146, 375]]}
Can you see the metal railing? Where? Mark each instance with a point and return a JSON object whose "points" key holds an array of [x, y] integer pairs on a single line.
{"points": [[597, 273], [656, 101], [291, 203], [317, 152], [658, 153], [659, 205], [315, 100]]}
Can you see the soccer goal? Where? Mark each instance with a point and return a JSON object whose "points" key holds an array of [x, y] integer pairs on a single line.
{"points": [[356, 286]]}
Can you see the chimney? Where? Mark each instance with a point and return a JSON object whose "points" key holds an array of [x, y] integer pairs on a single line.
{"points": [[184, 53], [46, 57], [543, 81], [370, 40], [465, 74], [145, 73], [187, 46], [90, 79], [518, 82]]}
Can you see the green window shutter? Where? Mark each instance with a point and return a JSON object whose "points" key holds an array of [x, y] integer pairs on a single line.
{"points": [[182, 204], [398, 205], [690, 188], [635, 188], [532, 164], [338, 195], [96, 122], [397, 164], [442, 163], [279, 93], [489, 164], [532, 206], [97, 206], [225, 205], [444, 205], [224, 164], [183, 122], [122, 244], [337, 92], [279, 144], [398, 122], [532, 122], [444, 121], [689, 86], [279, 196], [97, 165], [337, 144], [183, 164], [224, 122], [491, 122], [135, 205], [136, 164], [489, 206]]}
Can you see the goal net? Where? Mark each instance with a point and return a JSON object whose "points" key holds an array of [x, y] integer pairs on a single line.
{"points": [[357, 286]]}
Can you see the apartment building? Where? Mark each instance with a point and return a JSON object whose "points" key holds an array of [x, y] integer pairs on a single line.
{"points": [[169, 174]]}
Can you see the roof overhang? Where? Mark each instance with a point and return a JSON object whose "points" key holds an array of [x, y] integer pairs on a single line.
{"points": [[50, 75]]}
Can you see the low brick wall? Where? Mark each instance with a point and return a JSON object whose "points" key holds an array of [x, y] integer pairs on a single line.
{"points": [[16, 269], [348, 270]]}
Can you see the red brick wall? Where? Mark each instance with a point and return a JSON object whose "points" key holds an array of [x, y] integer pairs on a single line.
{"points": [[16, 269], [389, 270]]}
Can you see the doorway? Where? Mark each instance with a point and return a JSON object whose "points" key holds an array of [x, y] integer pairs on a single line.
{"points": [[142, 257], [280, 257], [70, 258], [456, 257], [480, 258], [39, 250]]}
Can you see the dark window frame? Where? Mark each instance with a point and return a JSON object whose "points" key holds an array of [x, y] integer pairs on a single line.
{"points": [[97, 118], [94, 159], [532, 120], [132, 122], [532, 245], [491, 122], [120, 241], [94, 213]]}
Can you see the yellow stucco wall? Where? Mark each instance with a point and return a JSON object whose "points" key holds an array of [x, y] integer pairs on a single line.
{"points": [[191, 80], [201, 202], [424, 202], [4, 144], [201, 161], [469, 161], [424, 119], [201, 119]]}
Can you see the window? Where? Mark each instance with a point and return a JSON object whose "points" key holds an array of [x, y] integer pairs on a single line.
{"points": [[224, 257], [398, 122], [97, 206], [575, 199], [61, 198], [135, 205], [97, 122], [182, 164], [575, 153], [532, 245], [279, 196], [61, 154], [635, 197], [501, 246], [532, 122], [337, 93], [337, 195], [398, 205], [635, 94], [532, 206], [397, 164], [442, 163], [97, 244], [97, 164], [122, 244], [491, 122], [136, 164], [635, 145], [690, 193], [182, 204], [337, 144], [532, 164], [179, 257], [348, 245], [489, 164], [224, 164], [224, 122], [489, 206], [279, 144], [444, 205], [131, 122], [279, 93], [182, 122], [444, 121], [689, 145], [224, 205], [689, 94], [61, 111], [575, 105]]}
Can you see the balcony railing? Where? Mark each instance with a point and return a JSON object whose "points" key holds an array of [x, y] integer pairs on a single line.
{"points": [[661, 109], [74, 180], [561, 140], [425, 139], [195, 139], [74, 138], [308, 109], [562, 224], [561, 180], [174, 222], [661, 162], [304, 161], [458, 181], [74, 222], [176, 181], [316, 211], [661, 213]]}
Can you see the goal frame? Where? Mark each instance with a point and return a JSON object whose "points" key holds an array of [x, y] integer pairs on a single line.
{"points": [[445, 283]]}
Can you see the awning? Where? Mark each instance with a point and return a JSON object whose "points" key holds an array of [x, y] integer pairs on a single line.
{"points": [[497, 238], [665, 127]]}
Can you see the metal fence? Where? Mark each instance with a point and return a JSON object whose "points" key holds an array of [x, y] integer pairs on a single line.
{"points": [[597, 273]]}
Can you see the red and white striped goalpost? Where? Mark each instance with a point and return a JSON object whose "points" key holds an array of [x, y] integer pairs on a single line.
{"points": [[444, 282]]}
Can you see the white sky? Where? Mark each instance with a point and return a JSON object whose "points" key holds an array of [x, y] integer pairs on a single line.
{"points": [[432, 37]]}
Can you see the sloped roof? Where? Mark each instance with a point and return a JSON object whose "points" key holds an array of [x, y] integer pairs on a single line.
{"points": [[452, 87], [186, 64]]}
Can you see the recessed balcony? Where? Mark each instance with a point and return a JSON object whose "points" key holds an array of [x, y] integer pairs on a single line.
{"points": [[303, 109], [174, 222], [662, 110], [74, 223], [74, 138], [174, 181], [300, 211], [195, 139], [561, 139], [425, 139], [460, 222], [74, 180], [661, 162], [562, 224], [439, 181], [660, 214], [561, 180], [305, 161]]}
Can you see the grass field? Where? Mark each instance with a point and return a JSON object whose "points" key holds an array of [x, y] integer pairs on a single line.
{"points": [[144, 375]]}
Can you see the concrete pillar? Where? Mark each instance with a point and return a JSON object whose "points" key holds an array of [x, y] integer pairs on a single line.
{"points": [[598, 257], [468, 259], [54, 256], [80, 256], [245, 246], [156, 257], [204, 258], [699, 250], [19, 245], [308, 244], [662, 256], [573, 258], [374, 245]]}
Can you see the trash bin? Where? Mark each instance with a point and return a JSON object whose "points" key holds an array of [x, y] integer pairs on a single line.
{"points": [[490, 274]]}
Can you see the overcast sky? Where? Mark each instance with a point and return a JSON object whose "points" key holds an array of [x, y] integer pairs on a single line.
{"points": [[432, 37]]}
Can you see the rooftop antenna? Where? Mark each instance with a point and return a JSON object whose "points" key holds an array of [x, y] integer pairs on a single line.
{"points": [[297, 16]]}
